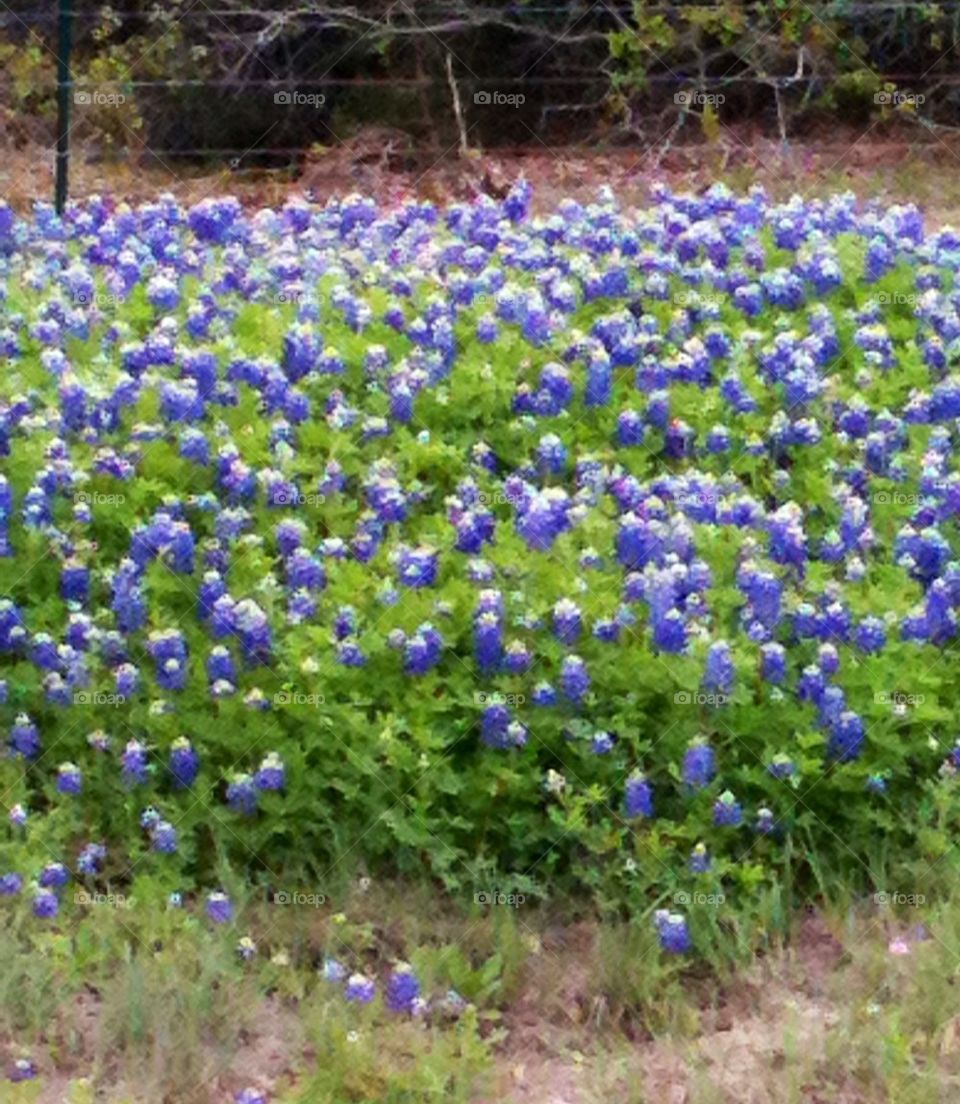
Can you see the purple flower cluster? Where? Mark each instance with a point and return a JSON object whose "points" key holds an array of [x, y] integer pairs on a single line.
{"points": [[578, 458]]}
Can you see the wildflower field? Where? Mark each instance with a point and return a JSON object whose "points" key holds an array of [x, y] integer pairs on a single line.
{"points": [[603, 560]]}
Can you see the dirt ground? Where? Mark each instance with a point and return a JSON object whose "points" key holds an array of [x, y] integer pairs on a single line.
{"points": [[739, 1046], [761, 1039], [885, 170]]}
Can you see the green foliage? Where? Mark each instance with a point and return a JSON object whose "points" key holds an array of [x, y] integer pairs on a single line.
{"points": [[386, 774], [584, 70]]}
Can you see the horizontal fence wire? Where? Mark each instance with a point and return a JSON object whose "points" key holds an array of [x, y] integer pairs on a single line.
{"points": [[515, 12]]}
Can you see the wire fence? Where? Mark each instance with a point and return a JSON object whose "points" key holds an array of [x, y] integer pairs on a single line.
{"points": [[286, 89]]}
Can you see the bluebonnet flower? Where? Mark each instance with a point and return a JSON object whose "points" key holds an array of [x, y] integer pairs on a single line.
{"points": [[487, 638], [551, 454], [195, 447], [246, 948], [871, 635], [494, 724], [270, 774], [184, 763], [10, 884], [828, 659], [488, 329], [542, 517], [91, 858], [220, 665], [168, 650], [719, 673], [126, 679], [331, 970], [212, 220], [242, 794], [574, 678], [54, 875], [98, 741], [149, 818], [69, 779], [846, 737], [727, 811], [567, 621], [219, 908], [345, 623], [22, 1069], [24, 737], [630, 428], [788, 543], [252, 627], [782, 766], [74, 581], [359, 989], [773, 662], [718, 440], [699, 861], [249, 1096], [45, 904], [699, 765], [211, 589], [301, 606], [349, 654], [543, 695], [601, 743], [417, 567], [134, 763], [402, 989], [811, 684], [163, 838], [673, 933], [638, 797], [422, 650], [658, 409]]}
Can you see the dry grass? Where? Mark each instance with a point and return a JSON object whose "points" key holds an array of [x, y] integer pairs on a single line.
{"points": [[889, 171], [570, 1014]]}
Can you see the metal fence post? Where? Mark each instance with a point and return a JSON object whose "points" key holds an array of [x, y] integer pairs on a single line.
{"points": [[64, 16]]}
